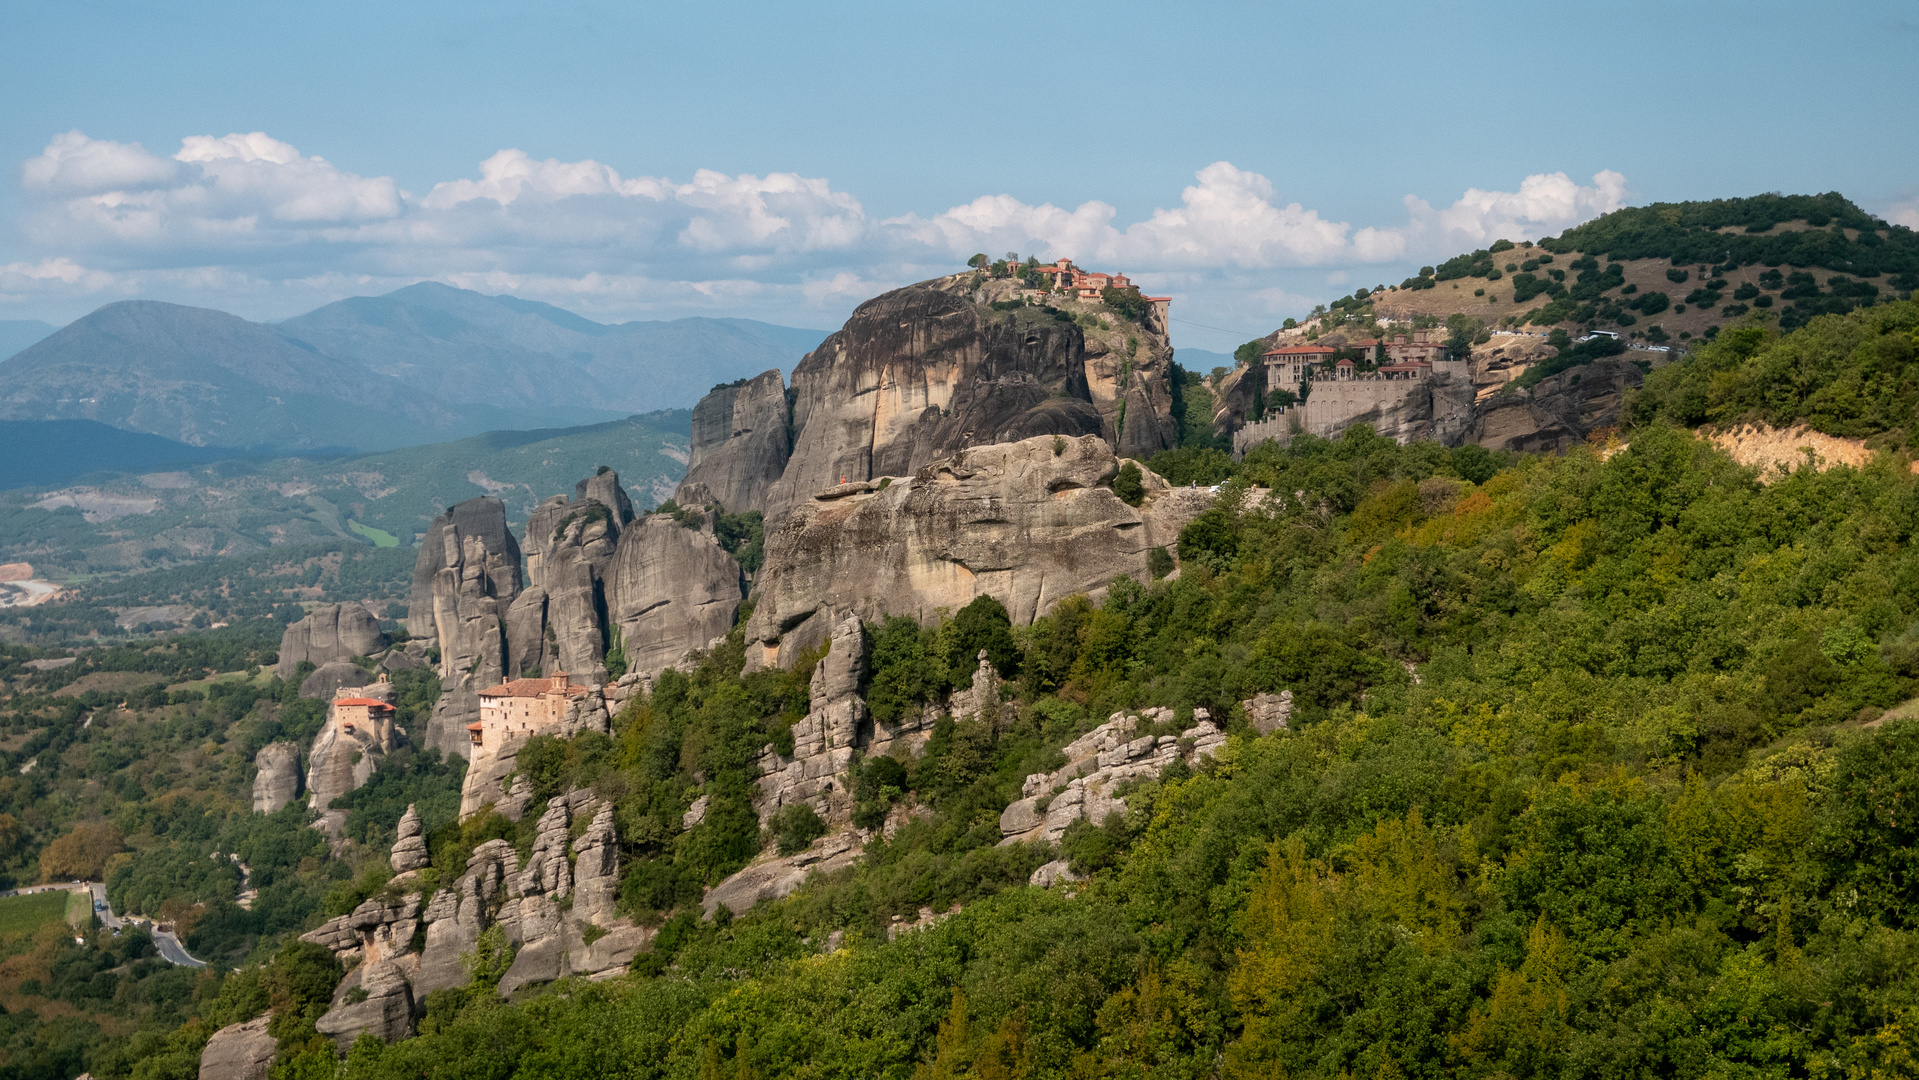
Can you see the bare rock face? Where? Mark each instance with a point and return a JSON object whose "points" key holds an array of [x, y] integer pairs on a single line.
{"points": [[329, 632], [464, 582], [1559, 411], [1027, 523], [239, 1052], [1268, 712], [277, 783], [603, 487], [772, 878], [1097, 763], [673, 590], [409, 850], [596, 870], [919, 373], [740, 444]]}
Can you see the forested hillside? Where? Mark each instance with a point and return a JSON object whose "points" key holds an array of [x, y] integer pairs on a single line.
{"points": [[1600, 765]]}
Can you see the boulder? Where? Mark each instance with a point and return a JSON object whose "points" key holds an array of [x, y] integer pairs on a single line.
{"points": [[239, 1052], [329, 632], [277, 781], [770, 878], [596, 870], [673, 590], [740, 445], [1028, 523]]}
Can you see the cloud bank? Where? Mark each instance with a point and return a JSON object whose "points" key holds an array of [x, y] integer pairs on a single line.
{"points": [[246, 221]]}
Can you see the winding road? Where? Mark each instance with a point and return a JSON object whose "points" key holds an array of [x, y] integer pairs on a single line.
{"points": [[168, 943]]}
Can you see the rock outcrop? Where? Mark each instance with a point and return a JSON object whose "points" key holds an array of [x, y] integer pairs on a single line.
{"points": [[344, 756], [277, 782], [1027, 523], [1557, 412], [1097, 763], [740, 443], [818, 772], [406, 951], [326, 683], [919, 374], [467, 576], [329, 632], [1268, 713], [239, 1052]]}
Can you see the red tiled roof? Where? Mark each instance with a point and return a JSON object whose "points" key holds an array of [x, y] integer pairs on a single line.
{"points": [[1299, 350], [530, 688], [371, 703]]}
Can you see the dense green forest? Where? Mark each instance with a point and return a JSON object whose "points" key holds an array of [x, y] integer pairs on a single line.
{"points": [[1600, 766]]}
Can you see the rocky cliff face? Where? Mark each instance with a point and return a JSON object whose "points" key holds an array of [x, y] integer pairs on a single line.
{"points": [[740, 443], [239, 1052], [467, 576], [1027, 523], [672, 590], [329, 632]]}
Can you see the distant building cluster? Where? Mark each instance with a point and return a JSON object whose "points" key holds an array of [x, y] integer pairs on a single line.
{"points": [[1088, 284]]}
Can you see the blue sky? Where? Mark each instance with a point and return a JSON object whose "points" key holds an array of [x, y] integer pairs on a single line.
{"points": [[786, 161]]}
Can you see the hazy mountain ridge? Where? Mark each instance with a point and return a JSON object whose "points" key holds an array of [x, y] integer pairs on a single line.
{"points": [[132, 522], [424, 364]]}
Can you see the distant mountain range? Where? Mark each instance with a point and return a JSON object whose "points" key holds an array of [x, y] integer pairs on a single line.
{"points": [[426, 363], [44, 452]]}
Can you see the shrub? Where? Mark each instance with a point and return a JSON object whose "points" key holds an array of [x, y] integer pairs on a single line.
{"points": [[1130, 485], [795, 827]]}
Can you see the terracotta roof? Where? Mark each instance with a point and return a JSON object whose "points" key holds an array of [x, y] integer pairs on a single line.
{"points": [[1299, 350], [1160, 299], [531, 688], [371, 703]]}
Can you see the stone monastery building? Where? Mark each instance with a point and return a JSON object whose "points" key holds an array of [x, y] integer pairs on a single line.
{"points": [[522, 708]]}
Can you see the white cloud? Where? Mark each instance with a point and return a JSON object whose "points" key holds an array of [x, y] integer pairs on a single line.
{"points": [[249, 216], [74, 163], [1904, 213]]}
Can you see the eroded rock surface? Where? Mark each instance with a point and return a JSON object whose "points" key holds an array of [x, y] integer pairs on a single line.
{"points": [[740, 444], [1028, 523], [277, 782], [1097, 763], [329, 632], [406, 951], [1559, 411], [409, 849]]}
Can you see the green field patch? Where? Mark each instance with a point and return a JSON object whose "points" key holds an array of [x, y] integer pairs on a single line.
{"points": [[22, 915], [380, 537]]}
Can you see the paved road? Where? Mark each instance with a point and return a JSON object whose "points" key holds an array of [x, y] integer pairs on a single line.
{"points": [[168, 943]]}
